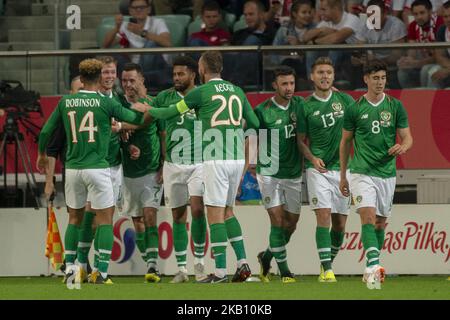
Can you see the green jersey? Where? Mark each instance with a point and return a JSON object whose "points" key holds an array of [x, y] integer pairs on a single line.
{"points": [[180, 140], [86, 117], [114, 157], [147, 140], [321, 120], [221, 106], [283, 121], [375, 129]]}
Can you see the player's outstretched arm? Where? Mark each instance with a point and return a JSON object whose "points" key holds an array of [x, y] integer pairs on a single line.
{"points": [[344, 153], [250, 116], [172, 111], [407, 142]]}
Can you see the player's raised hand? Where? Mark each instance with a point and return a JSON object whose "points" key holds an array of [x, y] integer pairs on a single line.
{"points": [[42, 163], [116, 126], [319, 165], [135, 152], [141, 107], [343, 186], [396, 150]]}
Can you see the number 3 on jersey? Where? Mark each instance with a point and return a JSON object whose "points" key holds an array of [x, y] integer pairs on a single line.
{"points": [[87, 119], [225, 103]]}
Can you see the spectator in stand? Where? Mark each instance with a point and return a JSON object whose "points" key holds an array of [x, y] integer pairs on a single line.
{"points": [[279, 12], [440, 75], [414, 68], [302, 15], [241, 67], [338, 26], [392, 30], [142, 31], [211, 34], [407, 9]]}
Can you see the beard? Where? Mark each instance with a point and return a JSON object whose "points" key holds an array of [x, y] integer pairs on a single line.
{"points": [[181, 87]]}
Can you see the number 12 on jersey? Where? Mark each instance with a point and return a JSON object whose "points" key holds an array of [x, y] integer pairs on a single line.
{"points": [[87, 124]]}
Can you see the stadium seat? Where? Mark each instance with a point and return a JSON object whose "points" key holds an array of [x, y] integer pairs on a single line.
{"points": [[240, 24], [177, 33], [181, 19], [227, 24]]}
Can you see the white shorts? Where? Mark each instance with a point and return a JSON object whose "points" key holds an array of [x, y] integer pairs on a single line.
{"points": [[276, 192], [116, 180], [180, 182], [221, 179], [139, 193], [93, 182], [324, 193], [373, 192]]}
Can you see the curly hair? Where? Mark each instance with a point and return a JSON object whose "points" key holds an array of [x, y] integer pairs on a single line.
{"points": [[90, 69]]}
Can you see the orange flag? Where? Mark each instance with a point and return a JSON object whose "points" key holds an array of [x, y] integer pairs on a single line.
{"points": [[54, 248]]}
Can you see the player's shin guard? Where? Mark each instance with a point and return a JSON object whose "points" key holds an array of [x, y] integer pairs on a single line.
{"points": [[85, 238], [337, 238], [234, 234], [180, 243], [152, 240], [370, 243], [198, 232], [140, 243], [105, 244], [323, 242], [278, 247], [71, 243], [380, 237], [219, 242]]}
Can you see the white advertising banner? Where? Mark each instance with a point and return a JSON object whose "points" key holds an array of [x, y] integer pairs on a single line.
{"points": [[417, 242]]}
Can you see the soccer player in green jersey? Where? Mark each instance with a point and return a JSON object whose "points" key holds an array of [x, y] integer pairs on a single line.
{"points": [[320, 122], [183, 176], [220, 107], [142, 183], [87, 122], [280, 185], [373, 122]]}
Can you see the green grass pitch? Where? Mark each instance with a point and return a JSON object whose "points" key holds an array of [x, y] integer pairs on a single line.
{"points": [[306, 287]]}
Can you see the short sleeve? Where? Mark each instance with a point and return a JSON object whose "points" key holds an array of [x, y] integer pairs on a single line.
{"points": [[194, 98], [402, 117], [302, 124], [349, 123]]}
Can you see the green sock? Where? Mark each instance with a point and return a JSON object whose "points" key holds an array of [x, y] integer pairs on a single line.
{"points": [[152, 240], [323, 242], [234, 234], [198, 232], [70, 243], [370, 243], [337, 238], [380, 237], [140, 243], [105, 244], [85, 237], [96, 254], [277, 242], [287, 235], [219, 242], [180, 243]]}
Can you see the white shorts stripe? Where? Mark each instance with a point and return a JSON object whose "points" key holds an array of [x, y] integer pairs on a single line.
{"points": [[181, 253], [324, 250]]}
